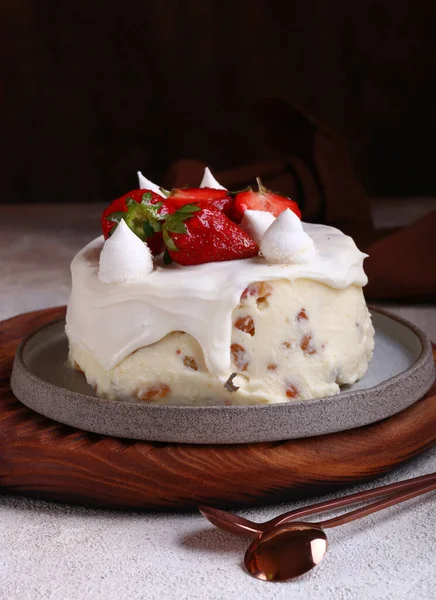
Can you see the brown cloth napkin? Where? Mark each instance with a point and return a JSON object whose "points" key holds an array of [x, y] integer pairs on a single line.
{"points": [[315, 170]]}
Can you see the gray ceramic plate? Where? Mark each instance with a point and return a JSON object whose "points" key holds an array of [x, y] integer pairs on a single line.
{"points": [[401, 371]]}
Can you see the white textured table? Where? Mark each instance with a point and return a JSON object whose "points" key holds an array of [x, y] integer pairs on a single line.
{"points": [[50, 551]]}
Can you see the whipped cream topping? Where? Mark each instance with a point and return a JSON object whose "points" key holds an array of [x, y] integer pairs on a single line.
{"points": [[196, 299], [286, 242], [124, 257], [256, 222], [209, 181], [146, 184]]}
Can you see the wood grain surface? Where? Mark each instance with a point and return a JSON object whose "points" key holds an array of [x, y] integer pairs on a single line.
{"points": [[44, 459]]}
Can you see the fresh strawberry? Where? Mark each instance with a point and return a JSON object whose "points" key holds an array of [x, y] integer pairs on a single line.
{"points": [[261, 200], [217, 198], [143, 212], [197, 234], [123, 208]]}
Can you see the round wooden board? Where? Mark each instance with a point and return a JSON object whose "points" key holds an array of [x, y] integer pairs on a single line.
{"points": [[44, 459]]}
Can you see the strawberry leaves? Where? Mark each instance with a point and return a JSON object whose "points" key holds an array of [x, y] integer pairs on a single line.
{"points": [[167, 260], [116, 217], [168, 241], [148, 229], [175, 223], [130, 208], [142, 217]]}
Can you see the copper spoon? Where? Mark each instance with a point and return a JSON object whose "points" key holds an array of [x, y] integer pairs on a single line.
{"points": [[232, 523], [289, 550]]}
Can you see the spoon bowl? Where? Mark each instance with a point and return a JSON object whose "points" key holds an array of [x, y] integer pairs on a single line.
{"points": [[286, 552]]}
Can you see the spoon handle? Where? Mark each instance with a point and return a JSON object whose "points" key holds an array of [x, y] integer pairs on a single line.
{"points": [[392, 488], [376, 506]]}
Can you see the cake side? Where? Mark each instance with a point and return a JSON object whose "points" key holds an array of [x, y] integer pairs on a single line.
{"points": [[290, 340]]}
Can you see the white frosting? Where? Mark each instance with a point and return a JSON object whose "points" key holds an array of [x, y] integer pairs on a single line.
{"points": [[256, 222], [111, 320], [124, 257], [209, 181], [146, 184], [286, 242]]}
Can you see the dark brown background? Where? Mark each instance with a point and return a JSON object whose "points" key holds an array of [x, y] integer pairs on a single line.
{"points": [[92, 91]]}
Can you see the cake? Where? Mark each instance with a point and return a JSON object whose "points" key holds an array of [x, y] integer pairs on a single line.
{"points": [[246, 305]]}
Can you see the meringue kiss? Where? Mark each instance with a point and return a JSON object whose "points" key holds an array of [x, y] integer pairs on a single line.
{"points": [[286, 242], [124, 257], [209, 181], [256, 222], [146, 184]]}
